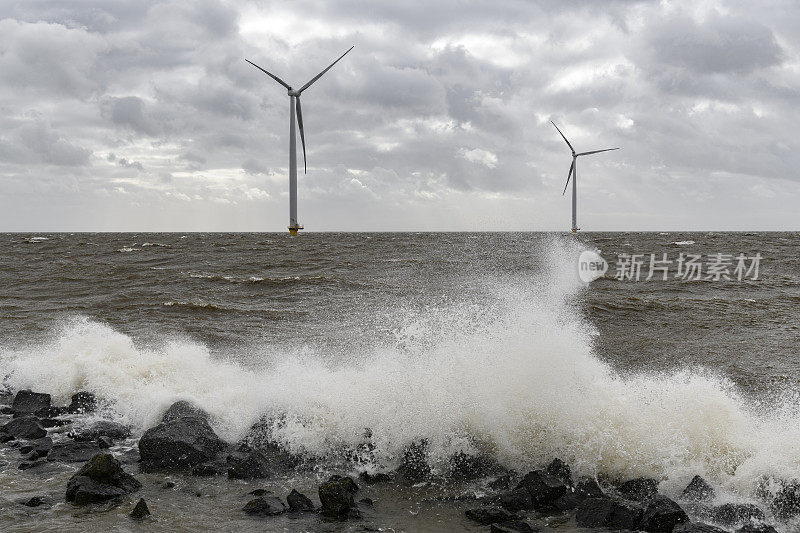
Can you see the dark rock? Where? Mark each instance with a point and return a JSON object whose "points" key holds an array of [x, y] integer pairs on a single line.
{"points": [[589, 488], [26, 427], [5, 437], [560, 470], [697, 527], [6, 410], [30, 456], [366, 501], [501, 483], [299, 502], [140, 511], [82, 402], [698, 490], [35, 501], [786, 502], [259, 492], [568, 501], [488, 515], [731, 514], [516, 500], [662, 514], [211, 469], [101, 478], [73, 452], [104, 442], [253, 464], [26, 465], [756, 528], [371, 479], [640, 489], [264, 506], [27, 402], [466, 467], [54, 422], [41, 447], [415, 465], [179, 443], [607, 512], [168, 485], [182, 409], [336, 496], [543, 487], [513, 526], [103, 428]]}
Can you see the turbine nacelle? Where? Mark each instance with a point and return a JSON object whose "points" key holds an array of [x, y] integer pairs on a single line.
{"points": [[292, 92]]}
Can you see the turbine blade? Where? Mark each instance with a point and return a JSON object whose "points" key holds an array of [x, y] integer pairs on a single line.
{"points": [[318, 76], [565, 139], [596, 151], [273, 76], [569, 175], [302, 135]]}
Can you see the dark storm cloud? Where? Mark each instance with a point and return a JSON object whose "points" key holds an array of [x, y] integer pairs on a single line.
{"points": [[132, 104]]}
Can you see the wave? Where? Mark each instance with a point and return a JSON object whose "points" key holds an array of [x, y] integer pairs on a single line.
{"points": [[516, 377], [682, 243]]}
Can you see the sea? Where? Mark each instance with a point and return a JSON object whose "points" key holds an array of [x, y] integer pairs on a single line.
{"points": [[478, 342]]}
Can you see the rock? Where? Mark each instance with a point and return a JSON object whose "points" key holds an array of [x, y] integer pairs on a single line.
{"points": [[140, 511], [500, 483], [513, 526], [5, 437], [26, 427], [210, 469], [259, 492], [41, 447], [82, 402], [26, 465], [516, 500], [299, 502], [662, 514], [103, 428], [366, 501], [731, 514], [264, 506], [371, 479], [697, 527], [756, 528], [104, 442], [466, 467], [698, 490], [336, 496], [54, 422], [35, 501], [589, 488], [261, 463], [168, 485], [182, 409], [488, 515], [415, 465], [73, 452], [786, 502], [543, 487], [101, 478], [179, 443], [640, 489], [27, 402], [607, 512], [560, 470]]}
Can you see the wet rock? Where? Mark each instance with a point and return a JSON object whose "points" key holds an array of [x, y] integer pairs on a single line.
{"points": [[697, 527], [168, 485], [731, 514], [259, 492], [140, 511], [501, 483], [640, 489], [261, 463], [182, 409], [54, 422], [698, 490], [41, 447], [299, 502], [73, 452], [104, 442], [35, 501], [662, 514], [786, 502], [516, 500], [366, 501], [544, 488], [264, 506], [513, 526], [589, 488], [560, 470], [336, 496], [372, 479], [488, 515], [466, 467], [27, 402], [608, 512], [27, 465], [101, 478], [102, 428], [179, 443], [26, 427], [82, 402], [756, 528], [6, 410], [415, 465]]}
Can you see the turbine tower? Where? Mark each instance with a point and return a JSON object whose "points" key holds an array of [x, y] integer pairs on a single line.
{"points": [[294, 106], [573, 173]]}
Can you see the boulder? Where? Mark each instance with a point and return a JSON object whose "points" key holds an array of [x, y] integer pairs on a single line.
{"points": [[488, 515], [34, 501], [103, 428], [756, 528], [299, 502], [786, 502], [181, 409], [336, 496], [73, 452], [544, 488], [662, 515], [54, 422], [518, 499], [466, 467], [101, 478], [697, 527], [248, 463], [371, 479], [639, 489], [415, 465], [39, 447], [82, 402], [731, 514], [264, 506], [608, 512], [26, 427], [27, 402], [179, 443], [698, 490], [104, 442], [589, 488], [560, 470], [513, 526], [25, 465], [140, 511]]}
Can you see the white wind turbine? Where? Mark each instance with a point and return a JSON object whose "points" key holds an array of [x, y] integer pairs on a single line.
{"points": [[573, 173], [294, 105]]}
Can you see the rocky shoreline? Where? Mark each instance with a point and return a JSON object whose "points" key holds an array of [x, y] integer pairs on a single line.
{"points": [[184, 444]]}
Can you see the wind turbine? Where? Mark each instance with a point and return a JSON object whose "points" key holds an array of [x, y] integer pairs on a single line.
{"points": [[294, 105], [573, 173]]}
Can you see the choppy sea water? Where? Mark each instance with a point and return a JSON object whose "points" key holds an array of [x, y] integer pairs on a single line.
{"points": [[472, 341]]}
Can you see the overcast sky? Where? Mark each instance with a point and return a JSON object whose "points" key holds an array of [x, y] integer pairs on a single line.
{"points": [[143, 115]]}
